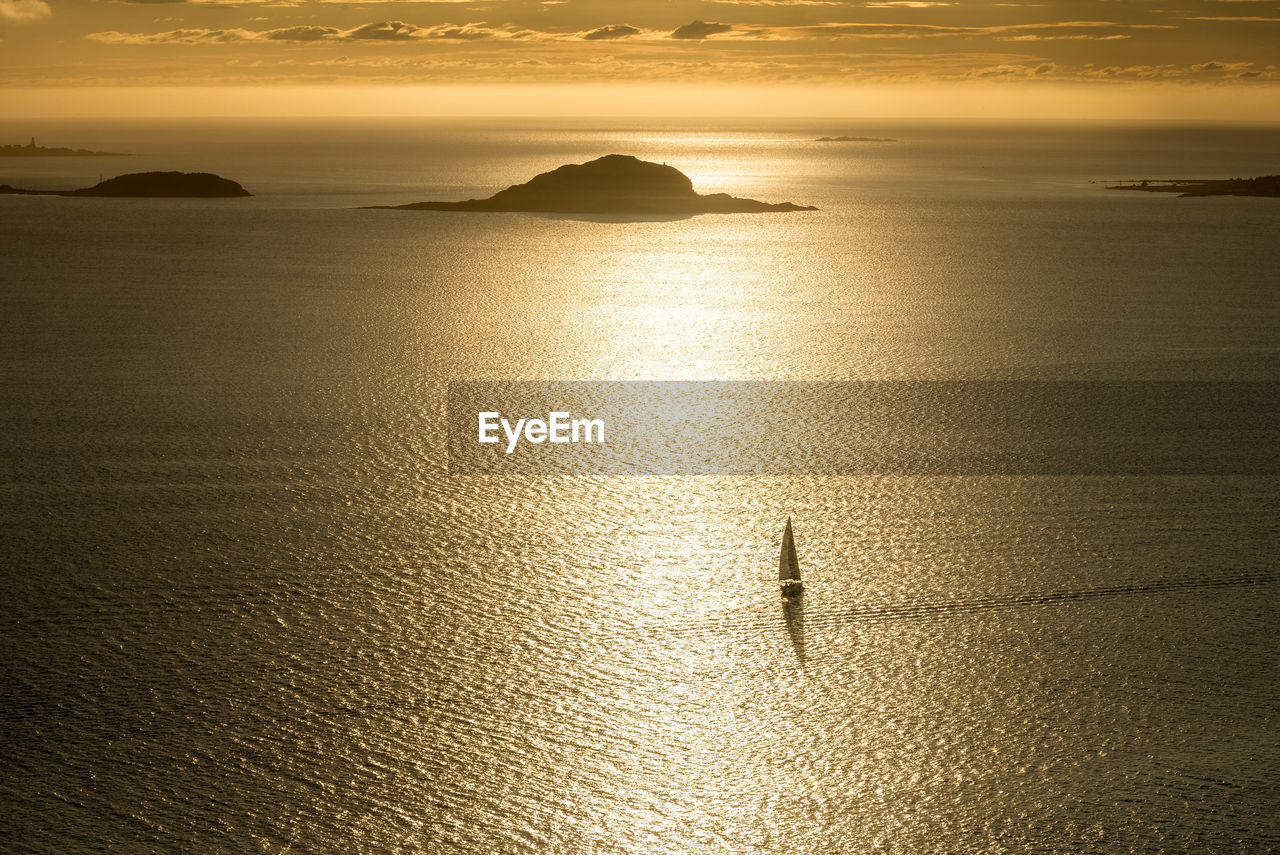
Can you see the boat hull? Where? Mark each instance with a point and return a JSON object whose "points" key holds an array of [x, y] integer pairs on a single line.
{"points": [[793, 588]]}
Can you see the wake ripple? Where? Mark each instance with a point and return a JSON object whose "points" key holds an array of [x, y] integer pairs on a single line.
{"points": [[946, 608]]}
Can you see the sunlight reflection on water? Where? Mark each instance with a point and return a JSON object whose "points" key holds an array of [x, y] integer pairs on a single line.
{"points": [[249, 608]]}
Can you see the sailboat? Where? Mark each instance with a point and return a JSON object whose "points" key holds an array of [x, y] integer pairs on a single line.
{"points": [[788, 566]]}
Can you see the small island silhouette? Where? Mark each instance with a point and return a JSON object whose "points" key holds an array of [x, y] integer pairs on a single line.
{"points": [[613, 184], [177, 185], [854, 139], [33, 150], [1263, 185]]}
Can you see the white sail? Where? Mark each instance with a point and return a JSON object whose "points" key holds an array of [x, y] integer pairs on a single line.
{"points": [[788, 566]]}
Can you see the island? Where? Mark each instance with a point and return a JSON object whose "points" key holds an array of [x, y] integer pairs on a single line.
{"points": [[33, 150], [174, 185], [854, 139], [1263, 185], [613, 184]]}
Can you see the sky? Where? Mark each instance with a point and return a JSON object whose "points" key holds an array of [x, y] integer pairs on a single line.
{"points": [[1157, 58]]}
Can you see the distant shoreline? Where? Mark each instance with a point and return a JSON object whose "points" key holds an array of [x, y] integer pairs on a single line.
{"points": [[33, 150], [1263, 185]]}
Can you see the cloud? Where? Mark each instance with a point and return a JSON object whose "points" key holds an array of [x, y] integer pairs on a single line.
{"points": [[1230, 18], [23, 10], [287, 2], [301, 34], [1003, 71], [780, 2], [401, 32], [467, 32], [211, 2], [387, 31], [612, 31], [1076, 37], [553, 59], [908, 4], [379, 31], [699, 30], [835, 30], [184, 36], [1239, 69], [1170, 72]]}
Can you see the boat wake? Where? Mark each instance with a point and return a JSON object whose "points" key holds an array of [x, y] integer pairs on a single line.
{"points": [[942, 609]]}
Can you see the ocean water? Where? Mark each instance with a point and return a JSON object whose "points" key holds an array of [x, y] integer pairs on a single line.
{"points": [[248, 609]]}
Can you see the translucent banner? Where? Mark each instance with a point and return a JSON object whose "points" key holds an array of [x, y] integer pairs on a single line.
{"points": [[874, 427]]}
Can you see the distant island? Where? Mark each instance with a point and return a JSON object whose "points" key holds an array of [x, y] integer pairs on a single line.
{"points": [[178, 185], [1263, 185], [854, 139], [33, 150], [613, 184]]}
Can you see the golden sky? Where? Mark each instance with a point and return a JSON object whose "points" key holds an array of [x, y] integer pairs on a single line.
{"points": [[1197, 56]]}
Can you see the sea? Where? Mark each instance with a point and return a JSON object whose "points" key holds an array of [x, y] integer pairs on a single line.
{"points": [[248, 607]]}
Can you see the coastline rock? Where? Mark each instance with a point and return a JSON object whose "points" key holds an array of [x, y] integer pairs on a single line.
{"points": [[613, 184]]}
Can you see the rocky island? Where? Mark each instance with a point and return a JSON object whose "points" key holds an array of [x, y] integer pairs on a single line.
{"points": [[33, 150], [854, 139], [1263, 185], [175, 185], [613, 184]]}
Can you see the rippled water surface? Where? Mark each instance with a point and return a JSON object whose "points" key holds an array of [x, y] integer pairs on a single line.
{"points": [[246, 608]]}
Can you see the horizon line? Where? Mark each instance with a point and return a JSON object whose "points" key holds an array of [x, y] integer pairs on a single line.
{"points": [[615, 101]]}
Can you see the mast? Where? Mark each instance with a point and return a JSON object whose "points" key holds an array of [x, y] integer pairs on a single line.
{"points": [[788, 566]]}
